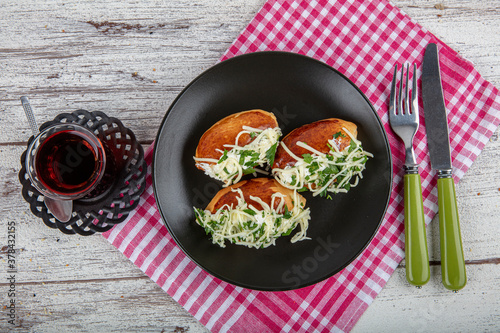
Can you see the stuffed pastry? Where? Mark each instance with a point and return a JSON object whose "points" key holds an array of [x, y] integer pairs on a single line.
{"points": [[322, 157], [254, 213], [239, 144]]}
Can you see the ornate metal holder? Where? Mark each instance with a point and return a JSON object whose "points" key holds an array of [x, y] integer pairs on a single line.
{"points": [[120, 188]]}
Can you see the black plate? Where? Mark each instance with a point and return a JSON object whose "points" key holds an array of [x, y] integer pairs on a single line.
{"points": [[299, 90]]}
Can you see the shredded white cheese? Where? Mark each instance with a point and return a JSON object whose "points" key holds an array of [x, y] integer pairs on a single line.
{"points": [[237, 161], [321, 173], [244, 225]]}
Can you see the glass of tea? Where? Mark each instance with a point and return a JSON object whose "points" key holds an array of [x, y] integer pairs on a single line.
{"points": [[65, 161]]}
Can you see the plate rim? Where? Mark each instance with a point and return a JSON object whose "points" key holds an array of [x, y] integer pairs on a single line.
{"points": [[216, 67]]}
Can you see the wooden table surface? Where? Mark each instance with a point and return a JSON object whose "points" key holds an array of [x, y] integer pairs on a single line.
{"points": [[130, 59]]}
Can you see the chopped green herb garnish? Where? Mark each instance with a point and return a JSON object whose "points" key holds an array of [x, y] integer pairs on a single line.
{"points": [[287, 213], [288, 232], [307, 158], [223, 157], [338, 134], [248, 171], [250, 212], [352, 146], [313, 167], [271, 152]]}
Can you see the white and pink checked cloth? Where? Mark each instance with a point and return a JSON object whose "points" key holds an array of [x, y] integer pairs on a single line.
{"points": [[364, 40]]}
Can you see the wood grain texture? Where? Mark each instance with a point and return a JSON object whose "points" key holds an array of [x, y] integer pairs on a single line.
{"points": [[435, 309], [130, 59]]}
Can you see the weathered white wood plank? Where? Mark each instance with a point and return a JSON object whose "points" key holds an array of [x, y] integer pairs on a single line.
{"points": [[139, 305], [129, 60], [469, 27], [122, 305], [435, 309]]}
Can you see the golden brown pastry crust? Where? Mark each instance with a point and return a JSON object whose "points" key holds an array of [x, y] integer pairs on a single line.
{"points": [[315, 135], [226, 130], [263, 188]]}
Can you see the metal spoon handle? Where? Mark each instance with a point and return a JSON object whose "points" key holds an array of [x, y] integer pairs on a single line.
{"points": [[61, 209], [29, 114]]}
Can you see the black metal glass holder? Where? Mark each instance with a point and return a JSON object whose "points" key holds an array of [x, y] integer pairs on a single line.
{"points": [[118, 191]]}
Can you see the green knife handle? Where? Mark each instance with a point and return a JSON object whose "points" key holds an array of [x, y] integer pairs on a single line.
{"points": [[417, 257], [452, 254]]}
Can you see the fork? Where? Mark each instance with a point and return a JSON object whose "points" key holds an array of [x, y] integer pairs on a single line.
{"points": [[404, 120]]}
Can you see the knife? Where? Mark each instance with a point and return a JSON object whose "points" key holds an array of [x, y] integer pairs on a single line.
{"points": [[436, 125]]}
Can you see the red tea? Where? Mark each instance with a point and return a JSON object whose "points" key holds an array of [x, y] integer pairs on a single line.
{"points": [[66, 162]]}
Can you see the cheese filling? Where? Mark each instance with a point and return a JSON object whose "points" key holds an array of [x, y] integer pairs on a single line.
{"points": [[237, 161], [334, 172], [244, 225]]}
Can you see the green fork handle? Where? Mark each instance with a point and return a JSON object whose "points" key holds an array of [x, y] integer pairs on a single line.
{"points": [[452, 254], [417, 256]]}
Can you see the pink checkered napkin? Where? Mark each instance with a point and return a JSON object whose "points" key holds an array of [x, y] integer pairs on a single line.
{"points": [[363, 40]]}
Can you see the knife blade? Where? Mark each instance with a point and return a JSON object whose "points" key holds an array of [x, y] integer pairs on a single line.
{"points": [[453, 271]]}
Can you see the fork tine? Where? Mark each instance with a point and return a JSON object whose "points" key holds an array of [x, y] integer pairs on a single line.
{"points": [[407, 96], [392, 103], [414, 92], [400, 97]]}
